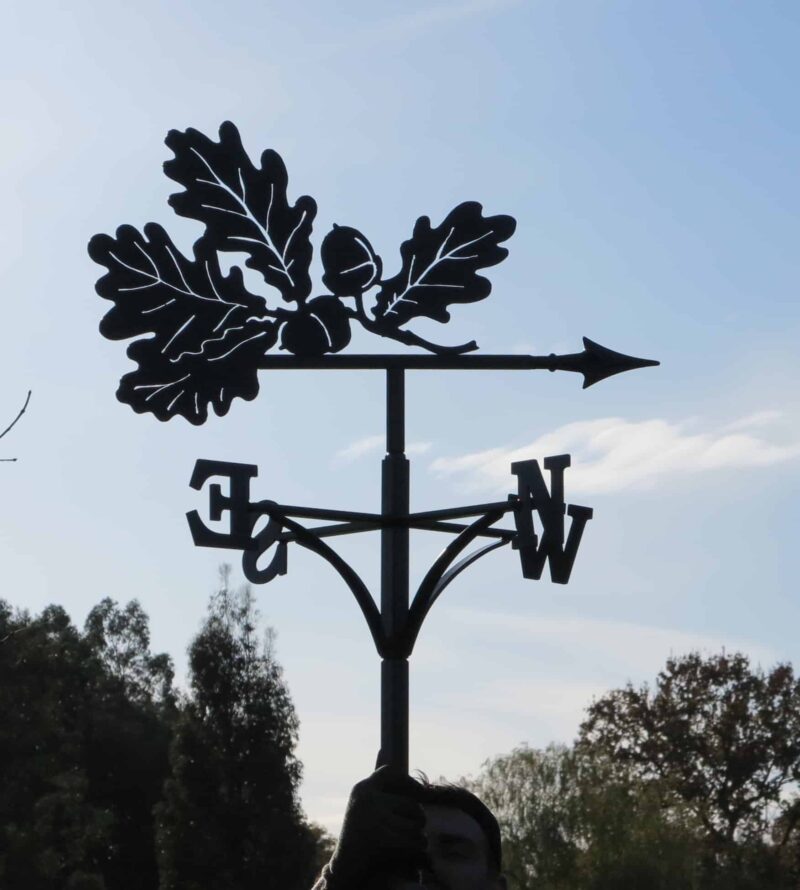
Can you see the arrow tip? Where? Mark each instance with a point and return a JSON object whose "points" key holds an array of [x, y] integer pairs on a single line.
{"points": [[600, 362]]}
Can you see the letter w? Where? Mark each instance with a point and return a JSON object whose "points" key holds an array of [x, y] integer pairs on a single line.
{"points": [[534, 496]]}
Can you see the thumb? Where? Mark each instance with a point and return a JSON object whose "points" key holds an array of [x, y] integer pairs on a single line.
{"points": [[390, 778]]}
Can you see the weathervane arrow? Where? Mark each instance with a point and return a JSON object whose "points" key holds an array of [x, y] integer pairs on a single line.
{"points": [[596, 362]]}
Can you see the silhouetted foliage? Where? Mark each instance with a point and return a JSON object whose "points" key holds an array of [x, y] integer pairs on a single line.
{"points": [[110, 782], [720, 736], [87, 723], [84, 753], [571, 822], [688, 786], [128, 738], [230, 816], [324, 845], [52, 834]]}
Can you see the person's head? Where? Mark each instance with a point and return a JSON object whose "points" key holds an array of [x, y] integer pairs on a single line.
{"points": [[463, 839]]}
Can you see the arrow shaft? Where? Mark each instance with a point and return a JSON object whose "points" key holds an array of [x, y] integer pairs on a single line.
{"points": [[395, 362], [596, 362]]}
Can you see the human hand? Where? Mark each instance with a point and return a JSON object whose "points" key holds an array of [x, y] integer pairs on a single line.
{"points": [[382, 832]]}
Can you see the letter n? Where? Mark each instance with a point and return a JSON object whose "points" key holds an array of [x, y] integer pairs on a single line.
{"points": [[533, 494]]}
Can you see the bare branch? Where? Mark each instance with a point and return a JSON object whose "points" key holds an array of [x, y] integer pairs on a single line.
{"points": [[14, 421], [11, 460]]}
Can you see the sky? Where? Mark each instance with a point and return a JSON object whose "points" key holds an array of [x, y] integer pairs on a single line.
{"points": [[649, 153]]}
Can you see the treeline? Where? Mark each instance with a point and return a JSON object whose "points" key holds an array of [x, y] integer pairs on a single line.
{"points": [[112, 780], [689, 785]]}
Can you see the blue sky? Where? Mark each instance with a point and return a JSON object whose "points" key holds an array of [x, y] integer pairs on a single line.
{"points": [[649, 153]]}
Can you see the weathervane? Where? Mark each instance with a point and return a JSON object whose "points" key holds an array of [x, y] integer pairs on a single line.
{"points": [[211, 336]]}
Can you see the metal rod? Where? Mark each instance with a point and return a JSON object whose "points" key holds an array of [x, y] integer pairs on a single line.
{"points": [[354, 528], [411, 362], [379, 519], [332, 531], [394, 577], [456, 527], [472, 510], [314, 512]]}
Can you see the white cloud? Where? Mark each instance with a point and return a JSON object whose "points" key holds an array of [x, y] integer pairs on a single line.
{"points": [[373, 444], [611, 454], [757, 419], [359, 448]]}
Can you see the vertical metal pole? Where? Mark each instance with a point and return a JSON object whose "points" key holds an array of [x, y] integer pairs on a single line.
{"points": [[394, 575]]}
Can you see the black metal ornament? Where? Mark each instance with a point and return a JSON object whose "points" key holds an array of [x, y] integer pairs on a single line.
{"points": [[211, 333], [200, 337]]}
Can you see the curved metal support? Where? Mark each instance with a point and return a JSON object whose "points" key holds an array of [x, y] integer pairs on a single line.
{"points": [[429, 589], [306, 538], [450, 575], [454, 571]]}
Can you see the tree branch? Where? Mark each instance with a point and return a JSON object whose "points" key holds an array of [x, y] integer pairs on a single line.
{"points": [[11, 460], [14, 421]]}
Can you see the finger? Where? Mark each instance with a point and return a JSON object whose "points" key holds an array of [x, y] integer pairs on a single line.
{"points": [[407, 841], [413, 822], [394, 781], [406, 811], [398, 826], [400, 806], [388, 774], [369, 798]]}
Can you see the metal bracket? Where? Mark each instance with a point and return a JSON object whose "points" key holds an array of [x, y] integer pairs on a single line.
{"points": [[281, 529]]}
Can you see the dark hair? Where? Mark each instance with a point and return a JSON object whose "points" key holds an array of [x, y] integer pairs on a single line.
{"points": [[455, 796]]}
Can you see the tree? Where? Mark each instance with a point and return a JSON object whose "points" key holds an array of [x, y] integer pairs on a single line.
{"points": [[230, 818], [121, 638], [324, 845], [721, 738], [571, 821], [83, 748], [88, 720], [630, 839], [128, 737], [534, 795], [53, 836]]}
